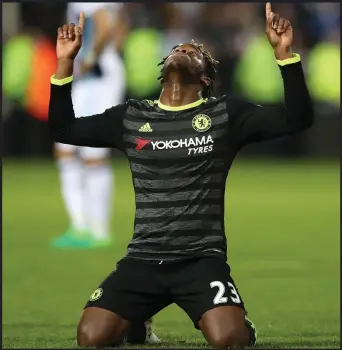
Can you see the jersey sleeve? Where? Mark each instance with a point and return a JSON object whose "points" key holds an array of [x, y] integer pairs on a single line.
{"points": [[99, 130], [253, 123]]}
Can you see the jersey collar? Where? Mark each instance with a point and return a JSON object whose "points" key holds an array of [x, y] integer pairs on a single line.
{"points": [[180, 108]]}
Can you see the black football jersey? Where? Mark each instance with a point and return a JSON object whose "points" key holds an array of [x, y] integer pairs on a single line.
{"points": [[179, 159]]}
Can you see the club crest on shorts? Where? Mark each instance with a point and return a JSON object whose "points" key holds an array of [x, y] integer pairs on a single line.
{"points": [[201, 122], [96, 295]]}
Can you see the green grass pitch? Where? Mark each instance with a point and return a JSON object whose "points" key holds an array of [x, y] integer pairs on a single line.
{"points": [[282, 222]]}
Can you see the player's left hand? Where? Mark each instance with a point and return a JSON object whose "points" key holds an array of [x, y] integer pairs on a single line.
{"points": [[278, 30]]}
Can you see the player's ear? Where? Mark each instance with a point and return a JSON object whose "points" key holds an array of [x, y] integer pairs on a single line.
{"points": [[205, 81]]}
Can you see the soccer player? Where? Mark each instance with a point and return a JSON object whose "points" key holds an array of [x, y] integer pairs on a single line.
{"points": [[85, 175], [180, 149]]}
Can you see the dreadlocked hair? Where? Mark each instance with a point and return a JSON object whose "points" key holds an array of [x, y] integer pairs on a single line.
{"points": [[210, 70]]}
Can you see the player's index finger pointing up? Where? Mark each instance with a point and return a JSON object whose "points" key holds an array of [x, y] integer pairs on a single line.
{"points": [[268, 9], [81, 21]]}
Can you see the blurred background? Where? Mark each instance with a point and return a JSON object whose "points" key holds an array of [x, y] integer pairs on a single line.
{"points": [[232, 32], [282, 197]]}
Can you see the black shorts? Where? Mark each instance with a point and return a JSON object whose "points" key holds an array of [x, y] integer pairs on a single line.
{"points": [[138, 290]]}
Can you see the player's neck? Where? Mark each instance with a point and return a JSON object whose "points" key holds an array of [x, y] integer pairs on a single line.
{"points": [[177, 93]]}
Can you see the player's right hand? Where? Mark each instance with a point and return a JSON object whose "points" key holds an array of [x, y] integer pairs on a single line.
{"points": [[69, 39]]}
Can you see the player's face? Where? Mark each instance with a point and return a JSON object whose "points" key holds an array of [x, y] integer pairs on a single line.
{"points": [[186, 57]]}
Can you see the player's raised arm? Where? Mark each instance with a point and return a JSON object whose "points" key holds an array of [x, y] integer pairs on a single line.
{"points": [[256, 123], [101, 130]]}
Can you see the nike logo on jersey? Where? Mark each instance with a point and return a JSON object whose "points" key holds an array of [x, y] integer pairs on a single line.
{"points": [[146, 128]]}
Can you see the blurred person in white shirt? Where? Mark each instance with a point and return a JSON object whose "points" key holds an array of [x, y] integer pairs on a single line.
{"points": [[85, 174]]}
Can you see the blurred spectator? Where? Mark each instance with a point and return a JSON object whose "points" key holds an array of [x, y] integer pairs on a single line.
{"points": [[142, 52], [323, 17], [323, 74], [256, 75], [29, 60]]}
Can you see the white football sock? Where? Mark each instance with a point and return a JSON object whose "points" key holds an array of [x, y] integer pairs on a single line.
{"points": [[98, 180], [72, 187]]}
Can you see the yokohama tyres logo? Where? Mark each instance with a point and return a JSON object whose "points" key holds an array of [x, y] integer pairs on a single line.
{"points": [[141, 143], [194, 145], [183, 143]]}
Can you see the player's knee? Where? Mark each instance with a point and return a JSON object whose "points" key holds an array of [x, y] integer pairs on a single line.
{"points": [[231, 337], [100, 328], [90, 335]]}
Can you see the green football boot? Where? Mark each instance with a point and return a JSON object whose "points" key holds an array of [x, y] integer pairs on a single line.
{"points": [[73, 239]]}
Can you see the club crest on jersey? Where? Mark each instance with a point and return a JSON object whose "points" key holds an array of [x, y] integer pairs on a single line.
{"points": [[201, 122], [97, 294]]}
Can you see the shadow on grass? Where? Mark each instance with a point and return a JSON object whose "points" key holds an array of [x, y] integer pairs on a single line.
{"points": [[311, 340], [331, 344]]}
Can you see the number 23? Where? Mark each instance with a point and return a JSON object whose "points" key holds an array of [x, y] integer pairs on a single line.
{"points": [[219, 298]]}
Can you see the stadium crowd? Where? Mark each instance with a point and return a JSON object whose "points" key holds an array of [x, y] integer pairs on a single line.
{"points": [[232, 32]]}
